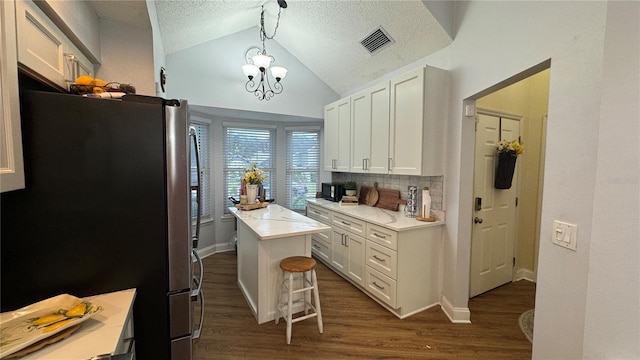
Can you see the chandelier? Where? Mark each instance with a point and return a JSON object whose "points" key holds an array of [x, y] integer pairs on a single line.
{"points": [[263, 89]]}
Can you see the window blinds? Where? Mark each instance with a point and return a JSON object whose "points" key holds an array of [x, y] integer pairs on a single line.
{"points": [[241, 147], [303, 166], [202, 134]]}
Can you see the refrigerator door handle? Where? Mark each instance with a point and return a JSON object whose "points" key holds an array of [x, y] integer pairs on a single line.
{"points": [[194, 135], [198, 290], [196, 332]]}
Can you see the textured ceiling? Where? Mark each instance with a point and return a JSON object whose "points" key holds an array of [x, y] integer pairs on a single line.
{"points": [[323, 34]]}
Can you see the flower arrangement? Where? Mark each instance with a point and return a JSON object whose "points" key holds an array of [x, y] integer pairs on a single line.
{"points": [[253, 175], [510, 147]]}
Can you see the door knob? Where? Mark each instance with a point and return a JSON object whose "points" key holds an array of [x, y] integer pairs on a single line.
{"points": [[477, 220]]}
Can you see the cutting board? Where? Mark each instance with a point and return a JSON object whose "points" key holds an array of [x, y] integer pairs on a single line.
{"points": [[387, 198]]}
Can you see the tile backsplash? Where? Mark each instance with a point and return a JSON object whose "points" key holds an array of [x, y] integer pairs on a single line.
{"points": [[397, 182]]}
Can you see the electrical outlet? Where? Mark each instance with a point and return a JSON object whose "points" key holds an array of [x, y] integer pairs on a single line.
{"points": [[565, 234]]}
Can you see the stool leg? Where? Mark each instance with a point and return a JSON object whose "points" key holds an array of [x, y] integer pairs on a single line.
{"points": [[307, 294], [279, 296], [316, 294], [289, 308]]}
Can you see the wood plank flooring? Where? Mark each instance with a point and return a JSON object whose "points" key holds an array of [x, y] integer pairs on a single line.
{"points": [[356, 327]]}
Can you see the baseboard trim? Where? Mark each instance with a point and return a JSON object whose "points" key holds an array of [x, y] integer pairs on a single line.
{"points": [[455, 315], [525, 274], [214, 249]]}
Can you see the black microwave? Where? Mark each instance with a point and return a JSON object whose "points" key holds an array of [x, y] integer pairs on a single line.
{"points": [[332, 191]]}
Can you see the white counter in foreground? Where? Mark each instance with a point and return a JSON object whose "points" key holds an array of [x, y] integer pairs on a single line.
{"points": [[266, 236]]}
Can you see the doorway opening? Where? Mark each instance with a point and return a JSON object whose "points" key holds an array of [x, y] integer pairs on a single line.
{"points": [[506, 222]]}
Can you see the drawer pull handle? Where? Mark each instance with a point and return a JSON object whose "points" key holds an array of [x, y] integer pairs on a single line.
{"points": [[377, 258], [316, 212], [316, 246], [379, 236], [378, 286], [345, 223]]}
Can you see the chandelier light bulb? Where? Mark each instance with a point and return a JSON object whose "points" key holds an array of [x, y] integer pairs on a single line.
{"points": [[278, 72], [262, 61], [250, 70]]}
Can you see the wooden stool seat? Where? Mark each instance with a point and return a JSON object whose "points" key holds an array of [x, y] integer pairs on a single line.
{"points": [[297, 264], [304, 267]]}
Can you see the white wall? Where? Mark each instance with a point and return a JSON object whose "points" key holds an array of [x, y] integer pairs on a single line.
{"points": [[496, 40], [127, 56], [158, 48], [612, 316], [210, 74]]}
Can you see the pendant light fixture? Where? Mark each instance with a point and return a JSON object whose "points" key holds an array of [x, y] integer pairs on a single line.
{"points": [[261, 61]]}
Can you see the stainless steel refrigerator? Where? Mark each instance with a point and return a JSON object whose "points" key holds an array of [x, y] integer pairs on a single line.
{"points": [[107, 206]]}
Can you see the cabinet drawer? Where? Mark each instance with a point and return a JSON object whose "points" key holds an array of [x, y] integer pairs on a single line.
{"points": [[382, 259], [323, 237], [381, 286], [382, 236], [319, 214], [348, 223], [320, 249]]}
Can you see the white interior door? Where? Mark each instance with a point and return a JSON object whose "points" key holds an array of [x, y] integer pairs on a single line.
{"points": [[493, 234]]}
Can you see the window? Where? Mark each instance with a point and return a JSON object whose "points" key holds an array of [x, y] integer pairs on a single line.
{"points": [[241, 147], [303, 166], [202, 133]]}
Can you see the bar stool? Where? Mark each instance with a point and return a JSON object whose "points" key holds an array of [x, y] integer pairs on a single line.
{"points": [[301, 265]]}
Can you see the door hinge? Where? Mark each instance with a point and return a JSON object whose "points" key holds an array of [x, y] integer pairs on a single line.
{"points": [[516, 201], [514, 261]]}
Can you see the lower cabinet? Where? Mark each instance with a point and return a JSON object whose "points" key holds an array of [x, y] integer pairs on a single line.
{"points": [[348, 252], [398, 269]]}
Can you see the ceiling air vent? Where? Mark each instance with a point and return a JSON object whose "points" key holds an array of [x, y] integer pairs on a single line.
{"points": [[377, 40]]}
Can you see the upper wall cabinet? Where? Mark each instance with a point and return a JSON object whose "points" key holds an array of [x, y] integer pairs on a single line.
{"points": [[44, 48], [11, 165], [370, 130], [397, 127], [337, 132], [418, 110]]}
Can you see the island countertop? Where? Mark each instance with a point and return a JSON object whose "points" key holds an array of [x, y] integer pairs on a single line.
{"points": [[275, 222]]}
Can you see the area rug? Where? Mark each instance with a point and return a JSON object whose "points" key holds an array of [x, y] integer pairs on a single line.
{"points": [[526, 324]]}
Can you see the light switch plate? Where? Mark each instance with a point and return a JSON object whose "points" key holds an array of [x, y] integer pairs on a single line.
{"points": [[565, 234]]}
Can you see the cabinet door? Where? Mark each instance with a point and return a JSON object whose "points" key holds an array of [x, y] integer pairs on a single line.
{"points": [[406, 121], [370, 130], [40, 43], [379, 159], [356, 252], [360, 131], [344, 135], [331, 129], [11, 163], [339, 256]]}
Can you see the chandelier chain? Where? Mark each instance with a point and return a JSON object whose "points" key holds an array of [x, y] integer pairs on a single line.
{"points": [[263, 32]]}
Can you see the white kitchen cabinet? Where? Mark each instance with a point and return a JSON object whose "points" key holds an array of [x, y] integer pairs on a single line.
{"points": [[418, 103], [347, 254], [320, 242], [370, 130], [45, 49], [11, 161], [337, 133], [400, 269]]}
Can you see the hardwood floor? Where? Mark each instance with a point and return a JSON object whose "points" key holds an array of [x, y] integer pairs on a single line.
{"points": [[356, 327]]}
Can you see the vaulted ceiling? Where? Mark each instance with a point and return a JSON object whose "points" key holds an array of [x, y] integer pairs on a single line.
{"points": [[324, 35]]}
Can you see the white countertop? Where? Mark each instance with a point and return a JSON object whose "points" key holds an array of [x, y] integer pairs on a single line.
{"points": [[393, 220], [275, 222], [98, 335]]}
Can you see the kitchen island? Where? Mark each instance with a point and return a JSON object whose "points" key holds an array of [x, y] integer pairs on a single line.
{"points": [[266, 236]]}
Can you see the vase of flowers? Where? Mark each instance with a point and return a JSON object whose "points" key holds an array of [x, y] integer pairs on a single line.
{"points": [[253, 178], [508, 152]]}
